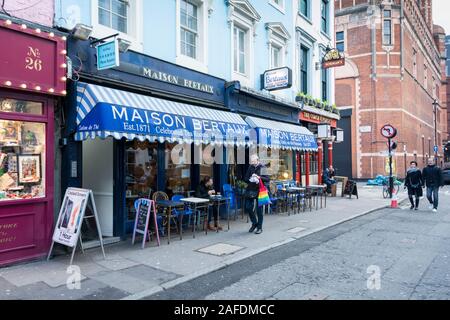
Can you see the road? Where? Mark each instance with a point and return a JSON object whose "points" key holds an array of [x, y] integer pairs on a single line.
{"points": [[389, 254]]}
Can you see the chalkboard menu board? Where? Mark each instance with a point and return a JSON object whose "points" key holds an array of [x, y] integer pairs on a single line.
{"points": [[145, 208], [142, 217]]}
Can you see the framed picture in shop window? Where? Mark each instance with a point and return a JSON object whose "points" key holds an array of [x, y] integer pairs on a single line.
{"points": [[9, 133], [29, 168]]}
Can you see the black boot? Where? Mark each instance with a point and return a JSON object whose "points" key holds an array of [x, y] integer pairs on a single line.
{"points": [[253, 228]]}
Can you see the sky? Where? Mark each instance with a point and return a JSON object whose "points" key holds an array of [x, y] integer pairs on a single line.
{"points": [[441, 14]]}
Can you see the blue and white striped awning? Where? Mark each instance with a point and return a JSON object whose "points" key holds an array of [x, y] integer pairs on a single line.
{"points": [[280, 135], [104, 112]]}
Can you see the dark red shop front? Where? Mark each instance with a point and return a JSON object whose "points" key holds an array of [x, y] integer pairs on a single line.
{"points": [[32, 76]]}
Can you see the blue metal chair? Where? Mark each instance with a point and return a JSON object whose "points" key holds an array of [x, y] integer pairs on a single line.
{"points": [[186, 212]]}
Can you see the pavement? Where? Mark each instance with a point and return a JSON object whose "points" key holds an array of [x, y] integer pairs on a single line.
{"points": [[129, 272]]}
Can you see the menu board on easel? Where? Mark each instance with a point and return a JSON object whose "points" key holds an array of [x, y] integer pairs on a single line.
{"points": [[141, 224], [68, 227]]}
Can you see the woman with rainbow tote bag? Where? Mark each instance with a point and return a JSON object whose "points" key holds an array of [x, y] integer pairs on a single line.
{"points": [[256, 194]]}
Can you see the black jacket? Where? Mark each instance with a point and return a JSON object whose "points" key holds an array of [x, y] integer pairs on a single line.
{"points": [[414, 179], [202, 191], [432, 175], [254, 187]]}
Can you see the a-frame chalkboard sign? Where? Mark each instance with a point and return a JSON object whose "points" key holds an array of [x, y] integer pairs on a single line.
{"points": [[144, 209]]}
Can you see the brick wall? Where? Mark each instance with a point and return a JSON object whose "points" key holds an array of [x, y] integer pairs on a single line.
{"points": [[402, 94], [37, 11]]}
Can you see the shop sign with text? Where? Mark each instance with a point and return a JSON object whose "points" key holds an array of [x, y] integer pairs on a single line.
{"points": [[31, 59], [333, 58], [276, 79]]}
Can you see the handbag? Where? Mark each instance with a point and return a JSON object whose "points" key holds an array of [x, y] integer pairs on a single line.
{"points": [[263, 195]]}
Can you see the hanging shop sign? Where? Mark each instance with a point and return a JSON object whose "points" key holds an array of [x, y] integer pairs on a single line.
{"points": [[316, 118], [108, 55], [276, 79], [32, 59], [333, 58]]}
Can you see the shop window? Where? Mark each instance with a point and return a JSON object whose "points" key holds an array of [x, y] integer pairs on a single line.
{"points": [[206, 158], [22, 157], [282, 167], [313, 163], [18, 106], [178, 168], [141, 172]]}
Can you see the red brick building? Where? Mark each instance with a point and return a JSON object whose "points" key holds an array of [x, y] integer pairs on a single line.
{"points": [[395, 69]]}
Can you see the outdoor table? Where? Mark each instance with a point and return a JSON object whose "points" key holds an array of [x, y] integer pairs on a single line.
{"points": [[195, 204], [319, 189], [296, 191], [168, 204], [218, 201]]}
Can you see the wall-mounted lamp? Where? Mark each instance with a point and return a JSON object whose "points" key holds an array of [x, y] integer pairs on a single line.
{"points": [[82, 31], [324, 131], [124, 45], [339, 133]]}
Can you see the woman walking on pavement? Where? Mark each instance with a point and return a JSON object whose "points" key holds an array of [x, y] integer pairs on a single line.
{"points": [[414, 183], [252, 177]]}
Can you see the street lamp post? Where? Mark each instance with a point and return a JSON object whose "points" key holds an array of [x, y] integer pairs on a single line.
{"points": [[423, 150], [435, 105], [429, 147]]}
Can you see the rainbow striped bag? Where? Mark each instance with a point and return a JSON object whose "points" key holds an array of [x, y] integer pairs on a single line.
{"points": [[263, 195]]}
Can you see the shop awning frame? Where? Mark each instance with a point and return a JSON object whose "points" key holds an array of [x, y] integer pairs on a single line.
{"points": [[288, 136], [105, 112]]}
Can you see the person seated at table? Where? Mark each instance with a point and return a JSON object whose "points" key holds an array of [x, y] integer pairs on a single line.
{"points": [[328, 179], [205, 190]]}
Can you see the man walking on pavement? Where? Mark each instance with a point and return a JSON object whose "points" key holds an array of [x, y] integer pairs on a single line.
{"points": [[432, 176]]}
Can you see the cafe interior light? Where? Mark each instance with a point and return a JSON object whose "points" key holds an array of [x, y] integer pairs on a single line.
{"points": [[38, 30], [23, 86], [64, 92], [23, 26], [64, 52], [64, 38], [51, 90], [51, 34], [124, 45], [8, 22], [8, 83], [82, 31], [64, 79], [37, 88], [64, 65]]}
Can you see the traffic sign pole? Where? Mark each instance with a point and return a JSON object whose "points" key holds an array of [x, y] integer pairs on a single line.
{"points": [[391, 178]]}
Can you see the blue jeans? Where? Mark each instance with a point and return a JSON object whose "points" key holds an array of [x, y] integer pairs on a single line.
{"points": [[433, 196], [257, 217]]}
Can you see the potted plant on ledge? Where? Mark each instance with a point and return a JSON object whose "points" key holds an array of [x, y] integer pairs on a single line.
{"points": [[336, 110], [301, 97]]}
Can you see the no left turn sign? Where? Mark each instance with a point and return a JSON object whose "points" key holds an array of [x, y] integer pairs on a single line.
{"points": [[388, 131]]}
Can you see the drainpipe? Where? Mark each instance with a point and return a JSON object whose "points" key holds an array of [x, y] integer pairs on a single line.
{"points": [[402, 17], [374, 88]]}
